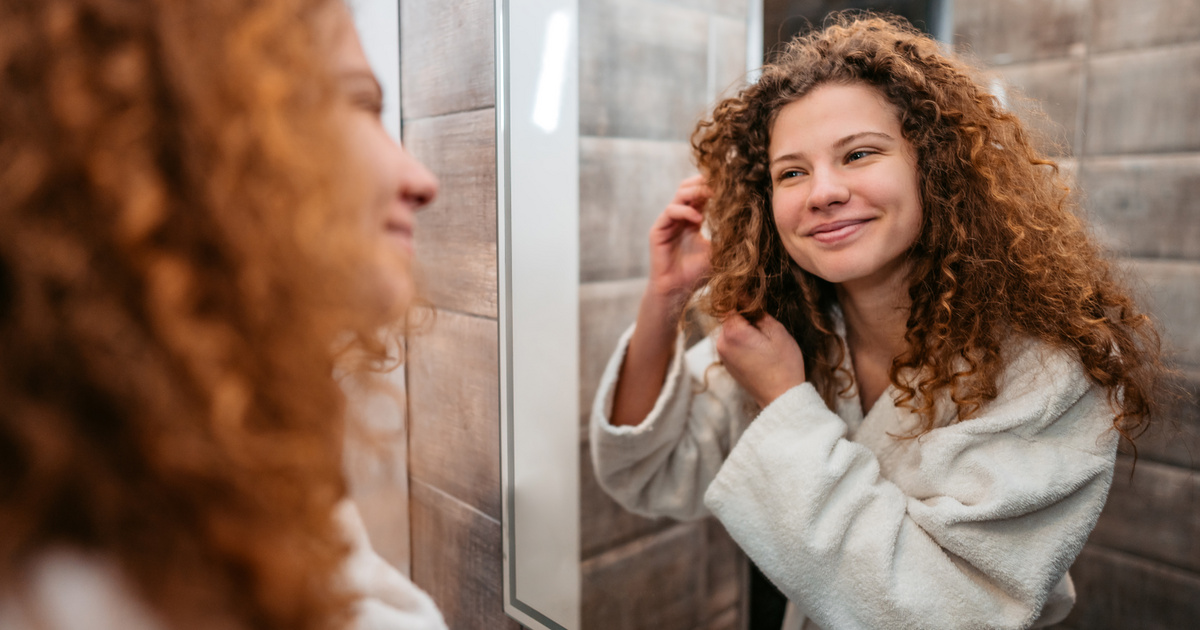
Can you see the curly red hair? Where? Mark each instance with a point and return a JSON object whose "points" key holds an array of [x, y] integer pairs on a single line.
{"points": [[1001, 251], [177, 254]]}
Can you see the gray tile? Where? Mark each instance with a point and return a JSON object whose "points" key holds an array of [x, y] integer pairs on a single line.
{"points": [[1171, 292], [643, 69], [456, 234], [623, 186], [652, 583], [454, 420], [1155, 515], [735, 8], [1118, 591], [727, 57], [1046, 97], [1120, 24], [604, 524], [457, 559], [446, 56], [606, 309], [1174, 437], [1146, 206], [1144, 102], [1020, 30]]}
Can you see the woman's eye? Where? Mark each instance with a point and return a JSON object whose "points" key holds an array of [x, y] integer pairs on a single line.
{"points": [[789, 174], [858, 155]]}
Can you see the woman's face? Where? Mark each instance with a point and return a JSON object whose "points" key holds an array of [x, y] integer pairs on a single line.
{"points": [[395, 185], [845, 190]]}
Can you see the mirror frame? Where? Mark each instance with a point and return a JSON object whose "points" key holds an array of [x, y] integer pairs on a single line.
{"points": [[537, 179]]}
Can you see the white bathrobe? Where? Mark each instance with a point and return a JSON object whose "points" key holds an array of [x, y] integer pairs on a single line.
{"points": [[972, 525], [70, 591]]}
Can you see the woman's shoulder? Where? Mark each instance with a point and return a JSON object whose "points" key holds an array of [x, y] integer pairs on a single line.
{"points": [[69, 590]]}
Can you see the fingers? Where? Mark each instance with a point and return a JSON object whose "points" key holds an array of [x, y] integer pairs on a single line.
{"points": [[693, 192]]}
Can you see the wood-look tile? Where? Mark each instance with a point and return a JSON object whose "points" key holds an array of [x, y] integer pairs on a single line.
{"points": [[1120, 24], [1020, 30], [734, 8], [606, 309], [727, 56], [624, 185], [454, 415], [1145, 206], [652, 583], [447, 51], [603, 523], [457, 559], [1144, 101], [1046, 97], [456, 234], [1155, 515], [1170, 290], [1174, 437], [1118, 591], [643, 69], [729, 619], [726, 572]]}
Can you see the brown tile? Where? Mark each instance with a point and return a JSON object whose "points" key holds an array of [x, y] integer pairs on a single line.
{"points": [[1145, 206], [1020, 30], [1144, 102], [456, 234], [727, 56], [1154, 515], [1120, 24], [1170, 290], [457, 559], [639, 78], [624, 185], [454, 415], [652, 583], [603, 523], [1118, 591], [1174, 437], [446, 51], [726, 573], [1046, 97], [729, 619], [606, 309]]}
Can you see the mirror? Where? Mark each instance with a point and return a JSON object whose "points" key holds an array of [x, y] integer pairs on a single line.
{"points": [[595, 101]]}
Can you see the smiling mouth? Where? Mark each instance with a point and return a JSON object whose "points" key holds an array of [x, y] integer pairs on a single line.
{"points": [[837, 230], [400, 232]]}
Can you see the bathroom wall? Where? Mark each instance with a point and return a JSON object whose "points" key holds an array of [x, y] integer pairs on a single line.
{"points": [[1121, 81], [448, 108], [648, 71]]}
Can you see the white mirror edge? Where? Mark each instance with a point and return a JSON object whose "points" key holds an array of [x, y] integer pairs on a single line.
{"points": [[537, 179]]}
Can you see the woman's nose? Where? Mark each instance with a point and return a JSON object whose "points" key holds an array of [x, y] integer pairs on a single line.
{"points": [[418, 185], [828, 190]]}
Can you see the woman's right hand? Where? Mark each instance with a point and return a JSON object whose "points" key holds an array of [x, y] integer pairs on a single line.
{"points": [[678, 260], [679, 253]]}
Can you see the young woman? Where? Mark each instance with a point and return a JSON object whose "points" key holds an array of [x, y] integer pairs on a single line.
{"points": [[197, 199], [909, 413]]}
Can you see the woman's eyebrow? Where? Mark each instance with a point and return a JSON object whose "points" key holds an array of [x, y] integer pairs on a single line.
{"points": [[860, 135]]}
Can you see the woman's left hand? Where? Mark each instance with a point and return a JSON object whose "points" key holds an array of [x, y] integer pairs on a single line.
{"points": [[763, 358]]}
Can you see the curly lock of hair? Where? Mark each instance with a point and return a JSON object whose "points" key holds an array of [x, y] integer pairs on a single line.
{"points": [[1001, 250]]}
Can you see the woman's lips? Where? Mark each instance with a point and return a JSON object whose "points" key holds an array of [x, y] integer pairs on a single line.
{"points": [[829, 233], [401, 233]]}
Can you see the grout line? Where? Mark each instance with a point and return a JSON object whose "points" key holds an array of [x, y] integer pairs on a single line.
{"points": [[436, 490], [406, 121]]}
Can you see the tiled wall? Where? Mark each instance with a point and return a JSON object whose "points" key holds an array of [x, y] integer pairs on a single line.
{"points": [[448, 103], [1122, 80], [648, 71]]}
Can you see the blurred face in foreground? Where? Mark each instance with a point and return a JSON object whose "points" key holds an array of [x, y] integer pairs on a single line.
{"points": [[395, 186]]}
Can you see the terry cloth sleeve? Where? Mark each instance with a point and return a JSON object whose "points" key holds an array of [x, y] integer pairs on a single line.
{"points": [[662, 466], [992, 512]]}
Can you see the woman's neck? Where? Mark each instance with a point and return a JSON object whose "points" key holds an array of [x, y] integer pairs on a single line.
{"points": [[876, 317]]}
